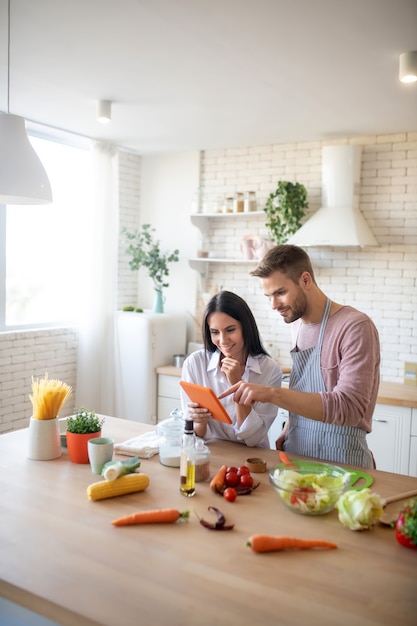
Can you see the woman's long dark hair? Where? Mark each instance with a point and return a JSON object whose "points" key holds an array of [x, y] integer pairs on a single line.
{"points": [[233, 305]]}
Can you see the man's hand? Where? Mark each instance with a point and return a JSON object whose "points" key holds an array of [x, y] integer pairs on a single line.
{"points": [[248, 393]]}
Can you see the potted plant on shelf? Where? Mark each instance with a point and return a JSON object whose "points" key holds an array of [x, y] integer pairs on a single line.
{"points": [[146, 252], [82, 426], [285, 209]]}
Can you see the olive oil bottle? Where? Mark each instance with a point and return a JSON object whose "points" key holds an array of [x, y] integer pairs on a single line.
{"points": [[187, 463]]}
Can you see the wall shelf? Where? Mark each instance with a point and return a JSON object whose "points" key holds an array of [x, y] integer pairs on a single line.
{"points": [[200, 265], [202, 221]]}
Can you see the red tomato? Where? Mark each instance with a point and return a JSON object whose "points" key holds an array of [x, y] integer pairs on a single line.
{"points": [[231, 479], [243, 469], [246, 480], [400, 526], [230, 494], [300, 495], [231, 469]]}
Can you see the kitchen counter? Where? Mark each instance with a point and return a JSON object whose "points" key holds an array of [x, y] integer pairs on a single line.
{"points": [[396, 394], [61, 556]]}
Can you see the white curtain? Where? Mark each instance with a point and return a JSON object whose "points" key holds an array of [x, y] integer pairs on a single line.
{"points": [[95, 387]]}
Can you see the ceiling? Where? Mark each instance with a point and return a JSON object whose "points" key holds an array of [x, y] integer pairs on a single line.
{"points": [[205, 74]]}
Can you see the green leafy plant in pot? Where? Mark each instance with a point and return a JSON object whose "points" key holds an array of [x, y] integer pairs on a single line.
{"points": [[146, 252], [82, 426], [285, 210]]}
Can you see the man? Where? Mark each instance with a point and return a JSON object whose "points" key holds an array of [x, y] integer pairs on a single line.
{"points": [[335, 365]]}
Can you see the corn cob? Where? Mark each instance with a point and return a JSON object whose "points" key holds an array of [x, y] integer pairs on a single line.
{"points": [[129, 483]]}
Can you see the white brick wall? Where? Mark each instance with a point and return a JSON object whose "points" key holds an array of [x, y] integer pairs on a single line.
{"points": [[380, 281], [129, 198], [32, 353]]}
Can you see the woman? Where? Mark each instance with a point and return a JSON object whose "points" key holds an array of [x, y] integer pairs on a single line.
{"points": [[233, 352]]}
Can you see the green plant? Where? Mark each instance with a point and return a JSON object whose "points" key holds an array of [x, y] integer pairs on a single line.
{"points": [[146, 252], [84, 421], [285, 209]]}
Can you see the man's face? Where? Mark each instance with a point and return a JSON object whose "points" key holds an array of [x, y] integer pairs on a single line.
{"points": [[286, 297]]}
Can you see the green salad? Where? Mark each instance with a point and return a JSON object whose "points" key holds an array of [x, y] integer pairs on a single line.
{"points": [[310, 493]]}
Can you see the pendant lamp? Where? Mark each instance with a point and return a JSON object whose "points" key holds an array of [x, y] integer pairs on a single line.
{"points": [[23, 179]]}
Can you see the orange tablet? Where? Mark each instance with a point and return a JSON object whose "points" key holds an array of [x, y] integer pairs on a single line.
{"points": [[207, 399]]}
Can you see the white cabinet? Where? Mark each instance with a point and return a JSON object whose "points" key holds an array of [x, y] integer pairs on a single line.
{"points": [[168, 395], [389, 440], [412, 466]]}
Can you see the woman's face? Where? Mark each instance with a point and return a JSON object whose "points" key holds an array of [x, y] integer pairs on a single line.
{"points": [[226, 334]]}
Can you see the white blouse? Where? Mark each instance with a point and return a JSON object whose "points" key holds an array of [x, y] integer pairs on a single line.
{"points": [[203, 368]]}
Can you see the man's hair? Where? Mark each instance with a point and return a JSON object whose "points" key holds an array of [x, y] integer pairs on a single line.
{"points": [[290, 260]]}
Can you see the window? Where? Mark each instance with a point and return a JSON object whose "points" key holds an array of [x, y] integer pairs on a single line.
{"points": [[41, 263]]}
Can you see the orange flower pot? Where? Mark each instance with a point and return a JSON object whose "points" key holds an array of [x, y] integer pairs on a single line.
{"points": [[77, 446]]}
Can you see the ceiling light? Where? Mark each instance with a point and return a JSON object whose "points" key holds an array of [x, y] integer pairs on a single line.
{"points": [[408, 67], [104, 111], [23, 179]]}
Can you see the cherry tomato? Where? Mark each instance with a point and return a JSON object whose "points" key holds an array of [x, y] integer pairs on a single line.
{"points": [[246, 480], [243, 469], [231, 469], [231, 479], [230, 494], [301, 494]]}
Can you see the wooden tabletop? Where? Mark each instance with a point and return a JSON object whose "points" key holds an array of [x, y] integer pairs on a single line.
{"points": [[61, 556]]}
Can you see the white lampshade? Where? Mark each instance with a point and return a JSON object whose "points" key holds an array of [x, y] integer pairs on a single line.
{"points": [[408, 67], [23, 179], [104, 111]]}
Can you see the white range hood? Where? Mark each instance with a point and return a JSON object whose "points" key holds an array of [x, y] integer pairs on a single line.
{"points": [[339, 221]]}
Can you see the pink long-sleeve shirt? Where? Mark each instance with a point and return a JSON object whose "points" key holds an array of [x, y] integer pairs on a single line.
{"points": [[350, 361]]}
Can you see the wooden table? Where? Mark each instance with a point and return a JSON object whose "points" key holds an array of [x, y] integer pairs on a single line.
{"points": [[62, 558]]}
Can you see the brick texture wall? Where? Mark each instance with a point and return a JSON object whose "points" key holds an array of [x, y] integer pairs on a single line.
{"points": [[32, 353], [379, 281]]}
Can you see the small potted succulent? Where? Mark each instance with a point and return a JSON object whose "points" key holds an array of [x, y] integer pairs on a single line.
{"points": [[82, 426]]}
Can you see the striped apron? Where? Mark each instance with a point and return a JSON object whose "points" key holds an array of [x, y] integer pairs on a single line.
{"points": [[308, 437]]}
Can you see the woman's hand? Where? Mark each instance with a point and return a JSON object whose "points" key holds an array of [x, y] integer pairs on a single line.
{"points": [[232, 368], [200, 417], [198, 414]]}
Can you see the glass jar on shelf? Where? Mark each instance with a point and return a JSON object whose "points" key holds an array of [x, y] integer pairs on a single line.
{"points": [[203, 249], [249, 201], [238, 202], [228, 205]]}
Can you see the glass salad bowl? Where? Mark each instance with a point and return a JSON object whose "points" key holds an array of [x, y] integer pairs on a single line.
{"points": [[310, 488]]}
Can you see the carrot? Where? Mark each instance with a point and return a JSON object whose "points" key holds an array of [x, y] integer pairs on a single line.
{"points": [[157, 516], [267, 543], [217, 482]]}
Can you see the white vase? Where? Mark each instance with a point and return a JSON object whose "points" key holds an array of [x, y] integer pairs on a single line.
{"points": [[44, 441]]}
